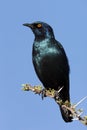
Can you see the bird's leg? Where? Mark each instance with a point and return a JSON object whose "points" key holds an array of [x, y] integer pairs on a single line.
{"points": [[43, 93]]}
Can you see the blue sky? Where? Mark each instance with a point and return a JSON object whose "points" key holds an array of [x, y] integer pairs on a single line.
{"points": [[23, 110]]}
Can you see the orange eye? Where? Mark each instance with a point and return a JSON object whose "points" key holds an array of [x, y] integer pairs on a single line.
{"points": [[39, 25]]}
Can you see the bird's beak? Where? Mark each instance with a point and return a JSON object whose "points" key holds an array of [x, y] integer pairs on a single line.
{"points": [[28, 25]]}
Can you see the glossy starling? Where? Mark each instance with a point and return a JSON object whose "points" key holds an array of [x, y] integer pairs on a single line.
{"points": [[50, 62]]}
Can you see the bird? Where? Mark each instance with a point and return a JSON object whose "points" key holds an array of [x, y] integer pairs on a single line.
{"points": [[50, 62]]}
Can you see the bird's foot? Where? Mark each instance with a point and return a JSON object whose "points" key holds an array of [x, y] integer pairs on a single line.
{"points": [[43, 93]]}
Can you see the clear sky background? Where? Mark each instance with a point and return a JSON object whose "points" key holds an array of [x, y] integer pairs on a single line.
{"points": [[21, 110]]}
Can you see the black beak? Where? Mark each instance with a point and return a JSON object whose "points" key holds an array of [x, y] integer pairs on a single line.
{"points": [[28, 25]]}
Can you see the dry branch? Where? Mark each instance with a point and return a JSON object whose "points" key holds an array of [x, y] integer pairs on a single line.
{"points": [[76, 114]]}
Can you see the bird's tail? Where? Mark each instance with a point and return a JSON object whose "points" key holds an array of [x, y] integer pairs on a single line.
{"points": [[65, 114]]}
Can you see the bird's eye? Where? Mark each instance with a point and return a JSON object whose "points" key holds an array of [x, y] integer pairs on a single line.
{"points": [[39, 25]]}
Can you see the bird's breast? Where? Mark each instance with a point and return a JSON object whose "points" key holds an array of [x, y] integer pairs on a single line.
{"points": [[42, 52]]}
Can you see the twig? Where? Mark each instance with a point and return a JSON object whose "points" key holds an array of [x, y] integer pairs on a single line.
{"points": [[76, 114], [38, 90]]}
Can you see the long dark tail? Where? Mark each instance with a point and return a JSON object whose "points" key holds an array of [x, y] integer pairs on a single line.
{"points": [[66, 114], [64, 96]]}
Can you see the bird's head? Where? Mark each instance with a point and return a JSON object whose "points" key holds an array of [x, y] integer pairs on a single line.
{"points": [[41, 30]]}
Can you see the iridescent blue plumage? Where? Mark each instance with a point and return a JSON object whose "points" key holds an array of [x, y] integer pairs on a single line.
{"points": [[50, 62]]}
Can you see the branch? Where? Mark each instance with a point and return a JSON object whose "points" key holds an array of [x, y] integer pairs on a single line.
{"points": [[76, 114]]}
